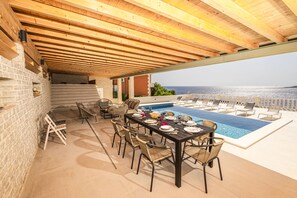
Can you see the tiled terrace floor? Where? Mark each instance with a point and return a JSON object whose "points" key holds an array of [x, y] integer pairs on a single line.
{"points": [[81, 169]]}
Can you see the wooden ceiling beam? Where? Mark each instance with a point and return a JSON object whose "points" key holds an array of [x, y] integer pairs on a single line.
{"points": [[71, 37], [234, 11], [85, 21], [71, 49], [173, 13], [77, 68], [120, 66], [62, 68], [111, 68], [68, 28], [292, 5], [99, 49], [153, 25], [80, 55], [69, 57]]}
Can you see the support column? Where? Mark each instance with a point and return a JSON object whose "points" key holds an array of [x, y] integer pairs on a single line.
{"points": [[131, 87], [120, 90]]}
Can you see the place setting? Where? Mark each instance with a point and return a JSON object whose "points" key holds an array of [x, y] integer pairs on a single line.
{"points": [[189, 123], [191, 129], [168, 129], [151, 121]]}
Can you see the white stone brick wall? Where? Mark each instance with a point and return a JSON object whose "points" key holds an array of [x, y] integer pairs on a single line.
{"points": [[20, 124]]}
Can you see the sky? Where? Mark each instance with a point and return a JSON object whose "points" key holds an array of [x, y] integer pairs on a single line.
{"points": [[277, 70]]}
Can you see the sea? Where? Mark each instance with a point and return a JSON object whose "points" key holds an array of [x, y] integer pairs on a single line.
{"points": [[251, 91]]}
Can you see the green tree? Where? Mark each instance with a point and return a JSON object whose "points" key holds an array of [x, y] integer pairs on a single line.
{"points": [[159, 90]]}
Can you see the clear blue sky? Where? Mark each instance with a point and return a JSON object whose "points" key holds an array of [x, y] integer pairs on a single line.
{"points": [[277, 70]]}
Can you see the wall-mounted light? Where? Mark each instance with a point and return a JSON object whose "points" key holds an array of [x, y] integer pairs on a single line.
{"points": [[41, 61], [23, 36]]}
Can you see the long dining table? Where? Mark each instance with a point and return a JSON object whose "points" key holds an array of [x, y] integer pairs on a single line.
{"points": [[178, 137]]}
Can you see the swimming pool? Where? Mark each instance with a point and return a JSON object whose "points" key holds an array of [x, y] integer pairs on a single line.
{"points": [[228, 125]]}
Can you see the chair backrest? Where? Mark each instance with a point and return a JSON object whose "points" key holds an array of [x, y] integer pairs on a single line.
{"points": [[132, 103], [144, 148], [274, 109], [167, 113], [50, 114], [216, 102], [231, 103], [208, 123], [184, 118], [81, 107], [215, 148], [195, 100], [205, 155], [49, 121], [249, 105], [117, 126], [104, 103], [119, 110], [128, 136]]}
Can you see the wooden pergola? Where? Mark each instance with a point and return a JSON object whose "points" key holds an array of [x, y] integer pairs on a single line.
{"points": [[116, 38]]}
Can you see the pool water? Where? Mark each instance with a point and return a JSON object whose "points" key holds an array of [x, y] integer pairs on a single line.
{"points": [[228, 125]]}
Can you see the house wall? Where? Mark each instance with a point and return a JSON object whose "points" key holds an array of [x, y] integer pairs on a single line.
{"points": [[106, 85], [21, 121], [141, 85]]}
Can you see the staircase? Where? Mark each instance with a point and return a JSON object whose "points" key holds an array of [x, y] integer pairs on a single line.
{"points": [[66, 95]]}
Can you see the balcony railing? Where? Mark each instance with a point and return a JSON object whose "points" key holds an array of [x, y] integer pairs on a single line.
{"points": [[283, 103]]}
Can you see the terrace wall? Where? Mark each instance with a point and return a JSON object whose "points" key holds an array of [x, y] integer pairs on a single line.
{"points": [[21, 121]]}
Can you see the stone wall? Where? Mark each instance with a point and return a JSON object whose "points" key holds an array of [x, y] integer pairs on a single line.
{"points": [[21, 121]]}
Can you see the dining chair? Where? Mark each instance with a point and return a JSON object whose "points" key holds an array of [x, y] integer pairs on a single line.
{"points": [[167, 113], [53, 128], [207, 123], [130, 138], [205, 153], [119, 130], [184, 118], [153, 154]]}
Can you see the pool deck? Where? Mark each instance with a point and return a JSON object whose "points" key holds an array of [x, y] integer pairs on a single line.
{"points": [[274, 149], [277, 151]]}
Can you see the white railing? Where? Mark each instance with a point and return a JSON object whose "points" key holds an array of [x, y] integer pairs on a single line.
{"points": [[283, 103]]}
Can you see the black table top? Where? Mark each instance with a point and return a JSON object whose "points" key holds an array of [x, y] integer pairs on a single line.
{"points": [[181, 135]]}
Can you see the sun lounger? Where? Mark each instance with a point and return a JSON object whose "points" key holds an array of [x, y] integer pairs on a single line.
{"points": [[190, 103], [201, 104], [228, 107], [212, 105], [248, 107], [178, 100], [272, 111]]}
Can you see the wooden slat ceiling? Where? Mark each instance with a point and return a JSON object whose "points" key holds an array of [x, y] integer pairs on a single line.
{"points": [[120, 37]]}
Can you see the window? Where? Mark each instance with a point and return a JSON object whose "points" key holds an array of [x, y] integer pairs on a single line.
{"points": [[114, 88]]}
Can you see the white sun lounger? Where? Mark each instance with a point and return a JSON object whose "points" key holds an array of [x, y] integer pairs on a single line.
{"points": [[272, 111], [248, 108]]}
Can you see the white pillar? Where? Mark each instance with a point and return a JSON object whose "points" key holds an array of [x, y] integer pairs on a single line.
{"points": [[120, 90], [131, 87]]}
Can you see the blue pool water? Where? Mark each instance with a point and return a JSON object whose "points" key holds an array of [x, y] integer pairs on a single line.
{"points": [[228, 125]]}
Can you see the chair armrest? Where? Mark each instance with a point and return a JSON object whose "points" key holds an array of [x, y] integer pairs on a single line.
{"points": [[157, 145]]}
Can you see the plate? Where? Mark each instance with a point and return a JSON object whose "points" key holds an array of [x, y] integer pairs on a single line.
{"points": [[189, 124], [170, 118], [192, 129], [169, 130], [136, 115], [150, 121]]}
